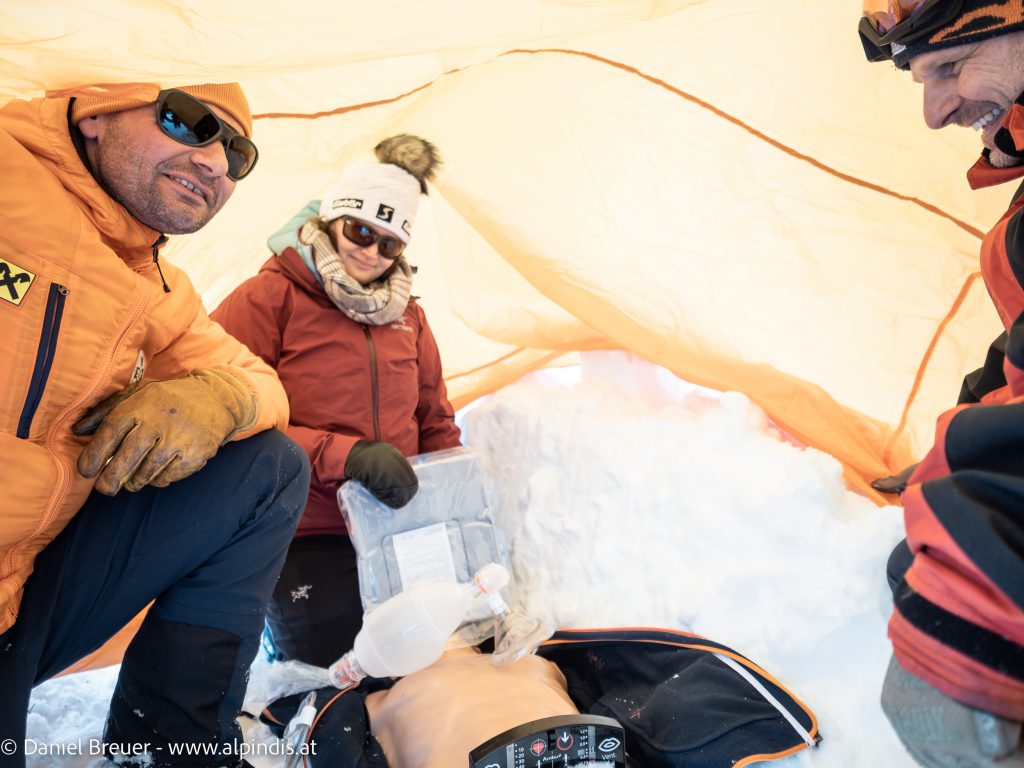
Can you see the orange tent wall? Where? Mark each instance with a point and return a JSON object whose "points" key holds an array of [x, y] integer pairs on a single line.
{"points": [[723, 187]]}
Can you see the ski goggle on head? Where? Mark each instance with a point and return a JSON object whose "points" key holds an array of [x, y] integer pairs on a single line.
{"points": [[363, 235], [189, 121], [886, 22]]}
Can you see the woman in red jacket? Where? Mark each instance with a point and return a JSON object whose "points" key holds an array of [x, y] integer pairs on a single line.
{"points": [[331, 311]]}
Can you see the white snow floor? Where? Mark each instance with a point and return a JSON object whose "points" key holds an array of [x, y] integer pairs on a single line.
{"points": [[632, 499]]}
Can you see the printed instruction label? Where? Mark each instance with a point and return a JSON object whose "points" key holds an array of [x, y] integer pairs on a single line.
{"points": [[424, 555]]}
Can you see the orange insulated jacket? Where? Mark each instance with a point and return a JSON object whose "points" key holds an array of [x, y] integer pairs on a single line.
{"points": [[82, 314]]}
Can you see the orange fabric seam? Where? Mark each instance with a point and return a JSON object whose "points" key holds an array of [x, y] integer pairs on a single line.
{"points": [[343, 110], [961, 297], [773, 756], [759, 134], [683, 94], [887, 453], [501, 359], [553, 354]]}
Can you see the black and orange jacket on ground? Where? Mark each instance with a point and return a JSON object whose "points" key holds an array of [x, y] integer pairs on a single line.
{"points": [[346, 381], [959, 618], [83, 313], [683, 700]]}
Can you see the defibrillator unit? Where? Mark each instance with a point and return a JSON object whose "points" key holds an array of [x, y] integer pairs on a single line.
{"points": [[566, 741]]}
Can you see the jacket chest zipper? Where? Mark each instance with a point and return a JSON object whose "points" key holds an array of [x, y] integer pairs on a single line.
{"points": [[44, 356], [55, 430], [374, 384]]}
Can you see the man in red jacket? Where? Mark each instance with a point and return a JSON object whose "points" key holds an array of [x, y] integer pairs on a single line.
{"points": [[954, 691]]}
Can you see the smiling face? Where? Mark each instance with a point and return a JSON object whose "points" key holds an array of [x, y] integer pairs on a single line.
{"points": [[973, 86], [362, 263], [168, 186]]}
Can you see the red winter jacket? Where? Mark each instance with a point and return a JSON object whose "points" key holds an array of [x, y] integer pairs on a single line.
{"points": [[959, 618], [345, 381]]}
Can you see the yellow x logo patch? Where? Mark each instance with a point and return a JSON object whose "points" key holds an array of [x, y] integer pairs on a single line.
{"points": [[14, 282]]}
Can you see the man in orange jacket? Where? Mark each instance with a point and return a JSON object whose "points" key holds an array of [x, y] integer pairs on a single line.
{"points": [[954, 691], [124, 476]]}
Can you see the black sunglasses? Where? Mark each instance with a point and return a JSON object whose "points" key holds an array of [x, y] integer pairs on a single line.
{"points": [[363, 235], [186, 119], [888, 22]]}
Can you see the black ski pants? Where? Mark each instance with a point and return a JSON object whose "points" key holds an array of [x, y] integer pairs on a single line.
{"points": [[315, 611], [208, 550]]}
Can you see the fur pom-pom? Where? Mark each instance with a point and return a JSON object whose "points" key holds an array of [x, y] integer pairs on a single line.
{"points": [[412, 154]]}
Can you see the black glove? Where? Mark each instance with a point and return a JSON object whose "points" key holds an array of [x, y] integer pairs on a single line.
{"points": [[383, 470], [894, 483]]}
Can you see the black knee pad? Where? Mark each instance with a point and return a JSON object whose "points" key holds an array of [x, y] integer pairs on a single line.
{"points": [[179, 684]]}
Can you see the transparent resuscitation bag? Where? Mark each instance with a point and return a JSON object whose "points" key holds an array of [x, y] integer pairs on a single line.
{"points": [[446, 533]]}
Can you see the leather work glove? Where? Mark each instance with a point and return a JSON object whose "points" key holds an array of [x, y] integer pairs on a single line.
{"points": [[383, 470], [942, 733], [894, 483], [159, 432]]}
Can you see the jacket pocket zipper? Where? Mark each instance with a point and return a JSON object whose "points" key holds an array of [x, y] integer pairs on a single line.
{"points": [[44, 356]]}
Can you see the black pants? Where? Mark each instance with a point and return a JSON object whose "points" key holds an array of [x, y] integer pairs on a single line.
{"points": [[208, 550], [316, 611]]}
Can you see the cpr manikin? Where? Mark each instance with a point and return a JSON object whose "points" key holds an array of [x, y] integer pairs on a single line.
{"points": [[451, 700]]}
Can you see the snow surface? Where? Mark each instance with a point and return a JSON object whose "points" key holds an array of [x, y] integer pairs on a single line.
{"points": [[633, 499]]}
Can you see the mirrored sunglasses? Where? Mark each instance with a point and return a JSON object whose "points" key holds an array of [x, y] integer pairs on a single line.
{"points": [[363, 235], [189, 121]]}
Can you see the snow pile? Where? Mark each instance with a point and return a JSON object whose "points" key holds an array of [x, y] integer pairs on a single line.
{"points": [[632, 499], [65, 716]]}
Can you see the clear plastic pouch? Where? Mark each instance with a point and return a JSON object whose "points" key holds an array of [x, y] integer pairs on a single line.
{"points": [[446, 533]]}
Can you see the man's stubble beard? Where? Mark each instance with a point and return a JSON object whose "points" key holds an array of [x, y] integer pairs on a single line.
{"points": [[120, 178], [999, 159]]}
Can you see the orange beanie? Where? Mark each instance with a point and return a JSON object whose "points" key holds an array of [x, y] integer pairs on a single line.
{"points": [[227, 96]]}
